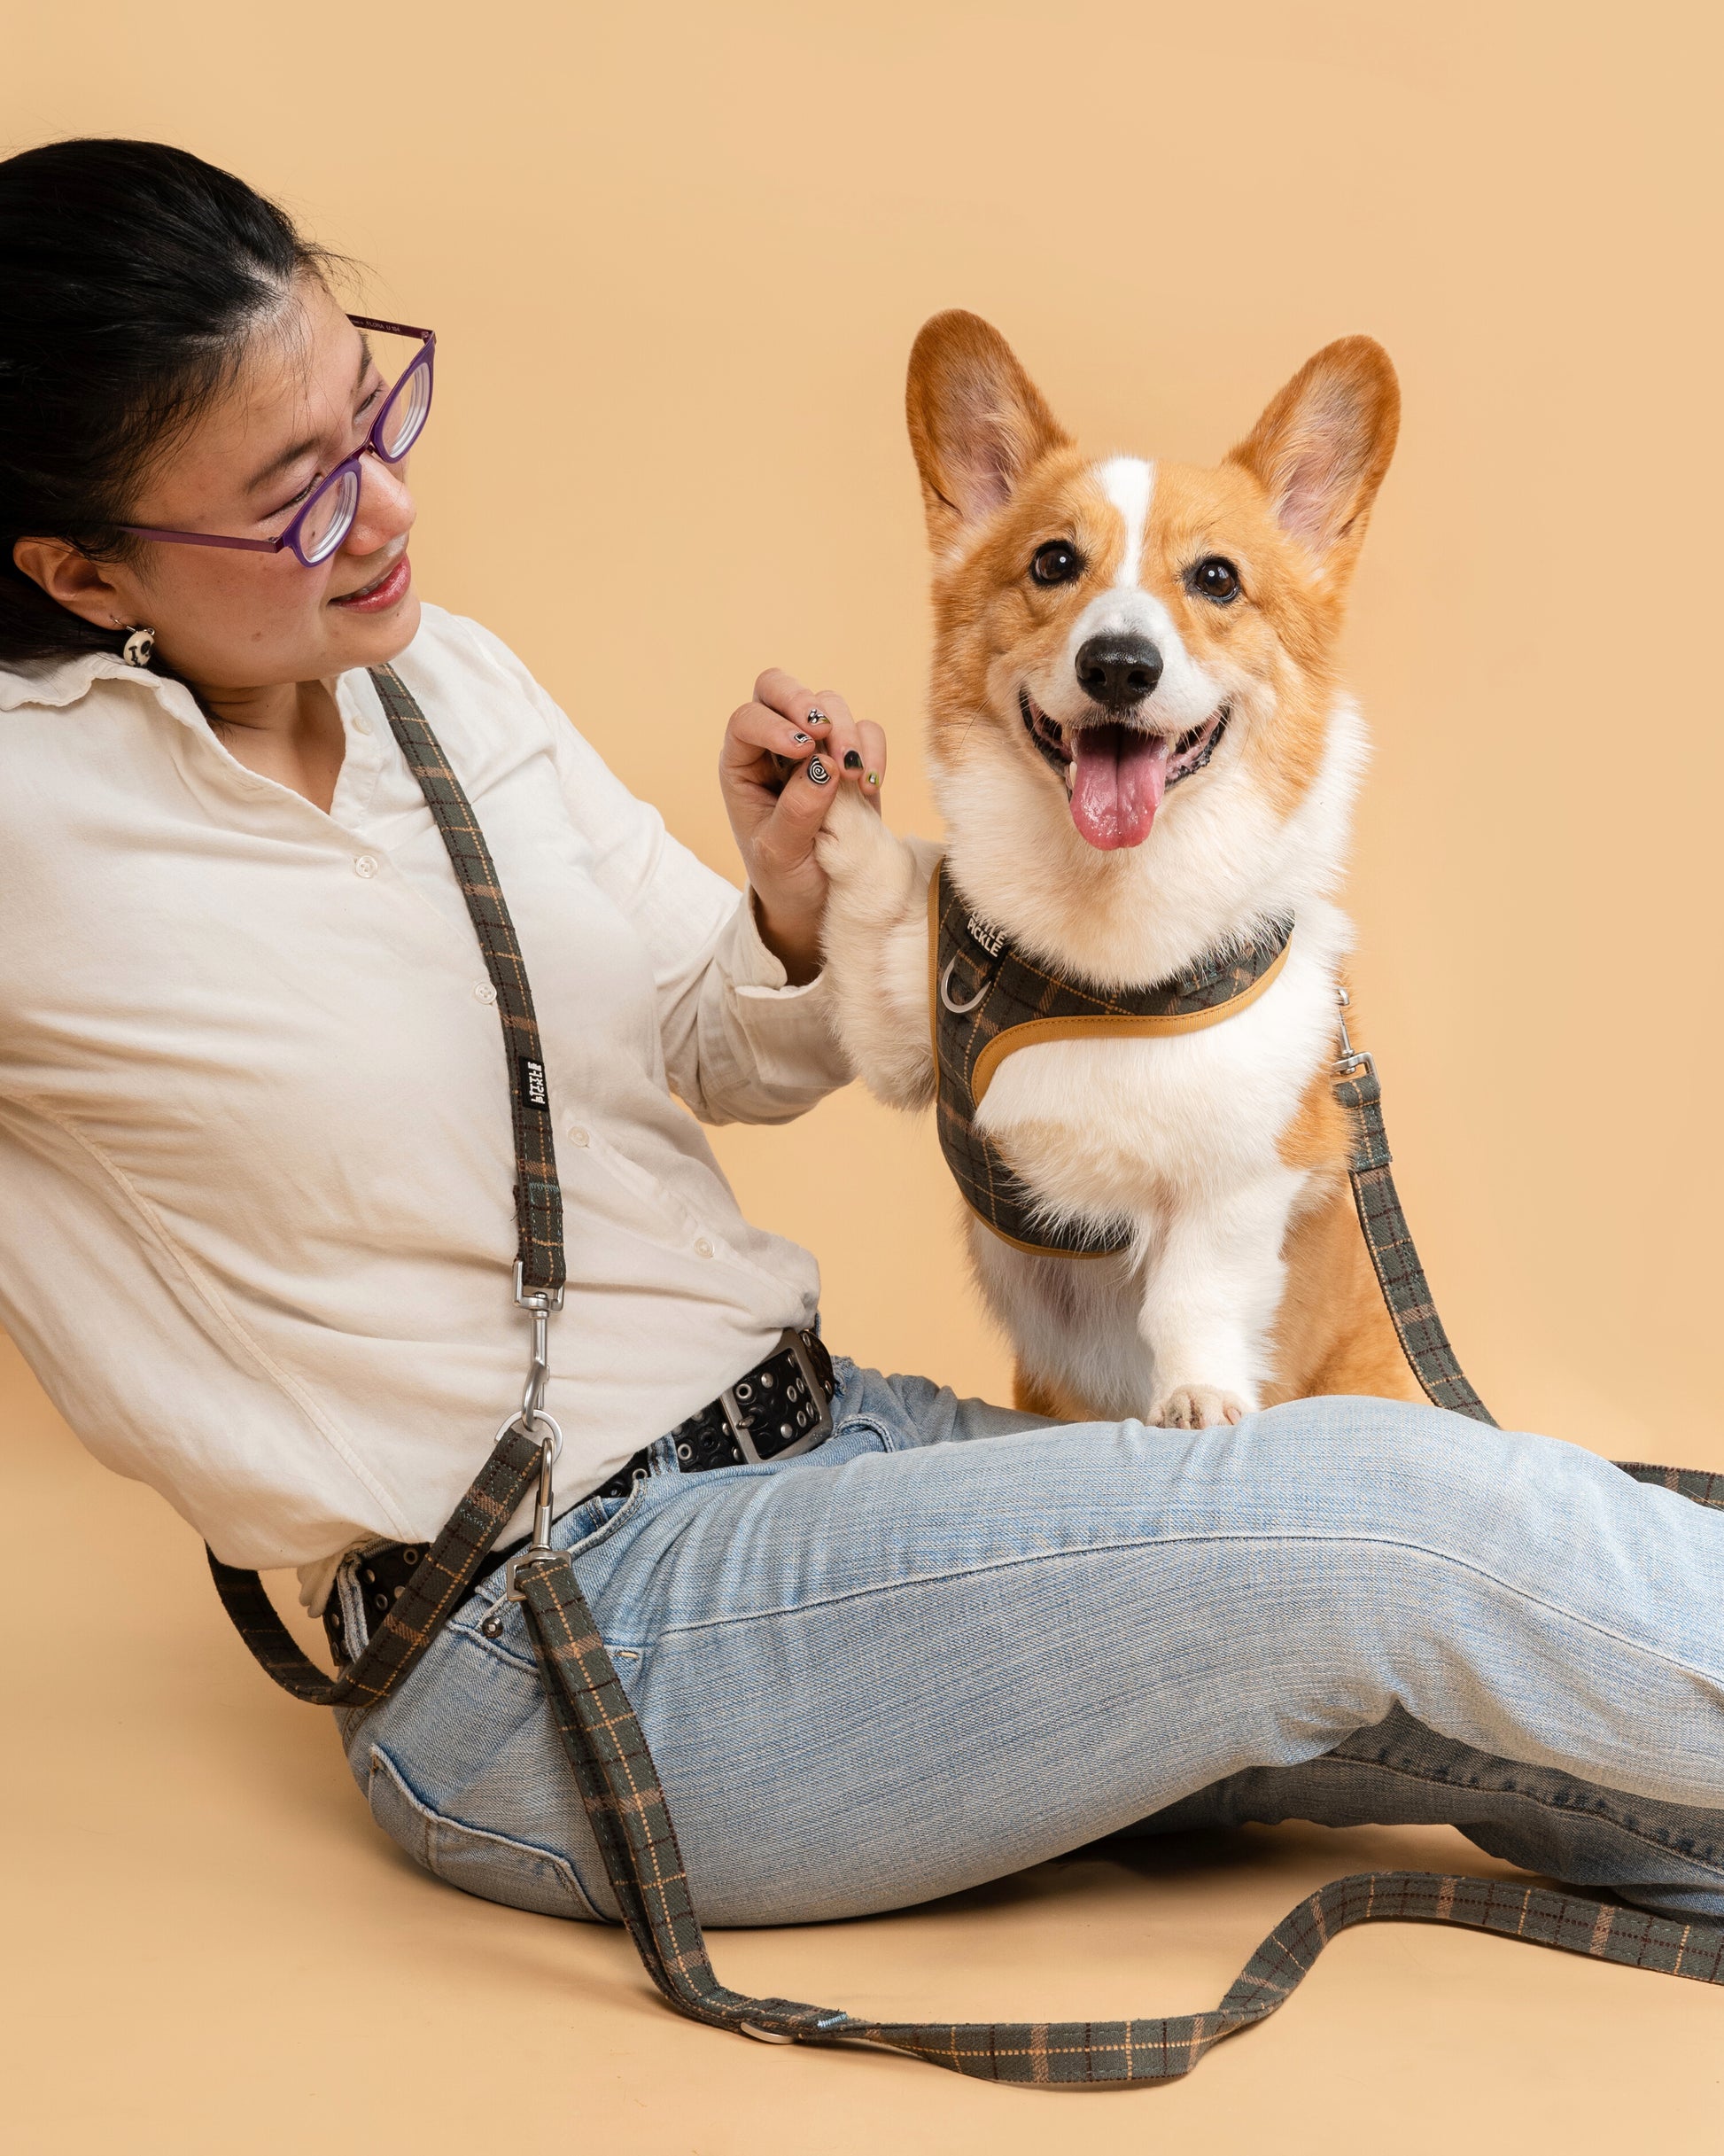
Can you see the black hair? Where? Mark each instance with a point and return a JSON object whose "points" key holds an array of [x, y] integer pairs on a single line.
{"points": [[130, 274]]}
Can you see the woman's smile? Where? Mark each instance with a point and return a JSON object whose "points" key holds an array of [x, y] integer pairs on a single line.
{"points": [[381, 592]]}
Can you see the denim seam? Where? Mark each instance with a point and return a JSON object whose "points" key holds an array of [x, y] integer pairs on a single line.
{"points": [[1710, 1861], [860, 1421], [513, 1846], [1154, 1542]]}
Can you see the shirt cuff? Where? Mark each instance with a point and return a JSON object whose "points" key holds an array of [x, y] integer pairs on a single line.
{"points": [[752, 966], [790, 1040]]}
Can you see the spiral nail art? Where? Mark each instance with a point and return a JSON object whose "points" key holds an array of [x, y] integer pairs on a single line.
{"points": [[817, 771]]}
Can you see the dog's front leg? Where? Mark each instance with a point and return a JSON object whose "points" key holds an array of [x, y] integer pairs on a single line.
{"points": [[1211, 1290], [875, 944]]}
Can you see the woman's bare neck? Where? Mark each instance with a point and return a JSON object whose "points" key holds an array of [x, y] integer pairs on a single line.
{"points": [[289, 731]]}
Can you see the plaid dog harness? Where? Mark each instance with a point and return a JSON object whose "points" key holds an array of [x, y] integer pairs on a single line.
{"points": [[608, 1754], [987, 998]]}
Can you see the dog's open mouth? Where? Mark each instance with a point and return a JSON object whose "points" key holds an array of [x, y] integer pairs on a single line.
{"points": [[1115, 774]]}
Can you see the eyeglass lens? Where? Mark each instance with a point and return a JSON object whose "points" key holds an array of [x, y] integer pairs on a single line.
{"points": [[330, 518], [405, 414]]}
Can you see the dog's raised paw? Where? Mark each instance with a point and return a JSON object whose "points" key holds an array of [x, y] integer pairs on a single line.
{"points": [[1197, 1407], [853, 844]]}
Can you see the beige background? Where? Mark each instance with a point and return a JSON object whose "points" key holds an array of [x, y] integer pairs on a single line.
{"points": [[676, 257]]}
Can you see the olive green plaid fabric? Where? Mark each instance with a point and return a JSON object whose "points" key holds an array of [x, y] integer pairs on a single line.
{"points": [[613, 1767], [625, 1802], [538, 1195], [1400, 1274], [1000, 989], [1695, 1483], [433, 1592]]}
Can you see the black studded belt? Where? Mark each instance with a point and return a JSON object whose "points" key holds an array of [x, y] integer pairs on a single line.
{"points": [[781, 1407]]}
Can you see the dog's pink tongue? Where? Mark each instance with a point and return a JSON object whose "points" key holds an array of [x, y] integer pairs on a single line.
{"points": [[1117, 783]]}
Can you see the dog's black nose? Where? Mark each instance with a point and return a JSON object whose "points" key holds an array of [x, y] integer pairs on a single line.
{"points": [[1118, 671]]}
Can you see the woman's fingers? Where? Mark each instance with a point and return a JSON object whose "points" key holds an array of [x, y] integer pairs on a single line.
{"points": [[800, 811], [871, 741], [785, 756], [805, 708], [854, 749], [757, 728]]}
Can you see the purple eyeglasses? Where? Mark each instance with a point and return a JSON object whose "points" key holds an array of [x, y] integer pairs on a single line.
{"points": [[325, 518]]}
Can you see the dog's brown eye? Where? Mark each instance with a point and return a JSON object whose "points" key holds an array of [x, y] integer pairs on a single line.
{"points": [[1057, 562], [1216, 579]]}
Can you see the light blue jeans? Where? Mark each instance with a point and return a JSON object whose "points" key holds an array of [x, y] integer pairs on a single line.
{"points": [[957, 1641]]}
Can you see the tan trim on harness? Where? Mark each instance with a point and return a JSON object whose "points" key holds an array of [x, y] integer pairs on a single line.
{"points": [[1155, 1025]]}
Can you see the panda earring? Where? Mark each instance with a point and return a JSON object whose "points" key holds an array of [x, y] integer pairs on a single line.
{"points": [[139, 647]]}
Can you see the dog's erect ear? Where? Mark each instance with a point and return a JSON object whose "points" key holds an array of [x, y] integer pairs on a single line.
{"points": [[1322, 447], [977, 422]]}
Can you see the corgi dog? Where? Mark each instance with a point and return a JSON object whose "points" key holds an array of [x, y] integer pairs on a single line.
{"points": [[1145, 762]]}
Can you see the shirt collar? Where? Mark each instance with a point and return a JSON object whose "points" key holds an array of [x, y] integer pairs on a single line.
{"points": [[51, 684]]}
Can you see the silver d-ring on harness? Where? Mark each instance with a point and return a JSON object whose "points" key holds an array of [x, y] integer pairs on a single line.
{"points": [[957, 1010]]}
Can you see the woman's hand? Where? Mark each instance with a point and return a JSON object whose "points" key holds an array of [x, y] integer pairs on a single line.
{"points": [[785, 757]]}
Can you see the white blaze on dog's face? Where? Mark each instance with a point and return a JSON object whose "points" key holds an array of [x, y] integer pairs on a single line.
{"points": [[1118, 629]]}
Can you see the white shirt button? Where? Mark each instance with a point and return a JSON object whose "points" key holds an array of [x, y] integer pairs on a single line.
{"points": [[365, 865], [703, 1247], [576, 1136], [485, 993]]}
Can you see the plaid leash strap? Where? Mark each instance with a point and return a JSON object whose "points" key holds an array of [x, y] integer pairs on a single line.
{"points": [[1400, 1274], [538, 1195], [433, 1592], [631, 1822]]}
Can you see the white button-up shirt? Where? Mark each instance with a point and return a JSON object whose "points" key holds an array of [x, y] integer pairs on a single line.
{"points": [[255, 1156]]}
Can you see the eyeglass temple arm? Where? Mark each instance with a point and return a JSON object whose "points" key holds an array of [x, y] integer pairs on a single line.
{"points": [[203, 539], [393, 328]]}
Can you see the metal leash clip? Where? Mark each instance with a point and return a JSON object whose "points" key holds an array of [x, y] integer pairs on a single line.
{"points": [[539, 1303], [1351, 1061], [538, 1549]]}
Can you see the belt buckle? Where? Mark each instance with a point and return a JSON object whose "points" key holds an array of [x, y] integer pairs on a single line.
{"points": [[762, 1398]]}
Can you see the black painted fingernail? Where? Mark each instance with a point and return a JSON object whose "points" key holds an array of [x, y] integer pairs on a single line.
{"points": [[817, 771], [852, 762], [816, 716], [802, 740]]}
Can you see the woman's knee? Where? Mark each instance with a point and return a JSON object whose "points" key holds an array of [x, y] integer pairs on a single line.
{"points": [[1452, 1485]]}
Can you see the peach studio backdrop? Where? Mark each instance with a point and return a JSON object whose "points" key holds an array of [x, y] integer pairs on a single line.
{"points": [[676, 257]]}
